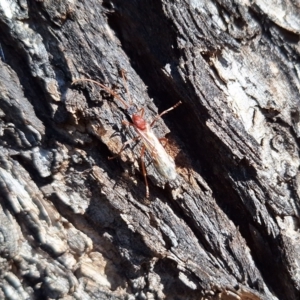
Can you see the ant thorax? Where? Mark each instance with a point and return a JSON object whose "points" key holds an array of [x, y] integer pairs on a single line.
{"points": [[139, 122]]}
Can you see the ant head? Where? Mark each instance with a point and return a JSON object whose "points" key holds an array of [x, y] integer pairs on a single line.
{"points": [[139, 122], [131, 110]]}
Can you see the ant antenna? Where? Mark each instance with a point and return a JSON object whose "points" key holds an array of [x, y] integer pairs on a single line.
{"points": [[126, 85], [111, 92]]}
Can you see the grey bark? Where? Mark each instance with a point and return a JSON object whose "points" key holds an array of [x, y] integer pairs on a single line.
{"points": [[75, 225]]}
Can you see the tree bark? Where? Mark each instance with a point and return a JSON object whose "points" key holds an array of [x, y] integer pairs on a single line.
{"points": [[76, 225]]}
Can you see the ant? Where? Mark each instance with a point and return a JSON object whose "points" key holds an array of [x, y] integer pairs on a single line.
{"points": [[163, 162]]}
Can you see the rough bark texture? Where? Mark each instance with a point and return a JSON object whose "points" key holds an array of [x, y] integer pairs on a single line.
{"points": [[75, 225]]}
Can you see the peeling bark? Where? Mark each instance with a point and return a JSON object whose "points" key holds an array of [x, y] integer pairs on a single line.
{"points": [[75, 225]]}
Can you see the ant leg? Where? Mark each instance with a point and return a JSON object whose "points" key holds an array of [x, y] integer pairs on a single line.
{"points": [[164, 112], [126, 123], [123, 147], [126, 85], [163, 140], [108, 90], [144, 170], [142, 111]]}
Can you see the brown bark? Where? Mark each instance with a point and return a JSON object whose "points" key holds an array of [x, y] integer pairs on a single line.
{"points": [[75, 225]]}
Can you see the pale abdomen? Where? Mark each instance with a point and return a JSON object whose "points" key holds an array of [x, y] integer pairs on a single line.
{"points": [[163, 162]]}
